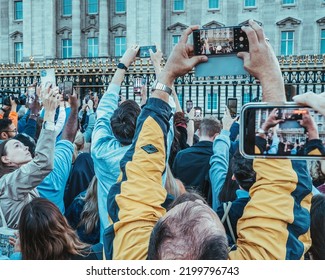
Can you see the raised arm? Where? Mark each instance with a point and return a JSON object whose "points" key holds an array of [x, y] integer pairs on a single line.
{"points": [[135, 202]]}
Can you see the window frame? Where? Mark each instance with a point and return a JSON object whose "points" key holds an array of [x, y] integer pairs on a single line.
{"points": [[89, 5], [288, 4], [212, 9], [93, 47], [178, 11], [322, 41], [67, 48], [116, 4], [16, 50], [249, 6], [15, 11], [287, 40], [63, 6], [175, 36], [211, 98], [121, 52]]}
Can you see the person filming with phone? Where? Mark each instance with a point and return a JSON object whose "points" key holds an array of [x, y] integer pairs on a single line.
{"points": [[274, 224]]}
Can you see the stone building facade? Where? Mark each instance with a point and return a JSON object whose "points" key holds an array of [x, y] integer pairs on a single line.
{"points": [[54, 29]]}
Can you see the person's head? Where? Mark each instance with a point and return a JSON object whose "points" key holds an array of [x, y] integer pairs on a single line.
{"points": [[317, 227], [209, 128], [13, 154], [79, 143], [317, 170], [45, 234], [123, 121], [27, 141], [189, 105], [190, 230], [242, 169], [7, 129]]}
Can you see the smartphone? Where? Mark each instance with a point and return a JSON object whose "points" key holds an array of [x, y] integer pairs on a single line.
{"points": [[220, 41], [232, 106], [48, 78], [144, 51], [68, 88], [31, 94], [289, 138]]}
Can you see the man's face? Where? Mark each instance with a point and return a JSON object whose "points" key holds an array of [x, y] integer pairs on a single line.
{"points": [[9, 133], [189, 106]]}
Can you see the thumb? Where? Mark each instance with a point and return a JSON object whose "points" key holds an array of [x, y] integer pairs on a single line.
{"points": [[198, 59], [243, 55]]}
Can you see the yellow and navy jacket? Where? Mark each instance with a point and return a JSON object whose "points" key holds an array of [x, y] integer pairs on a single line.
{"points": [[275, 223], [135, 203]]}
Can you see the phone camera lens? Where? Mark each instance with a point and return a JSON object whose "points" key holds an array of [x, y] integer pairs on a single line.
{"points": [[241, 38], [241, 46]]}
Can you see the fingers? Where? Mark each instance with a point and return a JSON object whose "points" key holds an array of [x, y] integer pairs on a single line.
{"points": [[197, 59], [187, 32], [243, 55], [258, 29], [251, 35]]}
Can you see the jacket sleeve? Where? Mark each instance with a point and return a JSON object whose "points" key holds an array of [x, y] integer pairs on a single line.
{"points": [[275, 223], [90, 127], [140, 193], [219, 162], [28, 176], [103, 137]]}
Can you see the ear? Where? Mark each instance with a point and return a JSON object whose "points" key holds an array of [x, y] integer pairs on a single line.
{"points": [[5, 159], [199, 133], [215, 135], [3, 135], [233, 177]]}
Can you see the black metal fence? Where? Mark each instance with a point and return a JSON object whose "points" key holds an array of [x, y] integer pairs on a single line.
{"points": [[301, 74]]}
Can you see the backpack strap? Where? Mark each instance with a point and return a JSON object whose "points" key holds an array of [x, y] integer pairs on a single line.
{"points": [[226, 208]]}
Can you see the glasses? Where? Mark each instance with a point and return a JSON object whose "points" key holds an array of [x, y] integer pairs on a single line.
{"points": [[14, 130]]}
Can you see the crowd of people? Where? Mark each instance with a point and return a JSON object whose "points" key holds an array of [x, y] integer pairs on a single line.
{"points": [[111, 179]]}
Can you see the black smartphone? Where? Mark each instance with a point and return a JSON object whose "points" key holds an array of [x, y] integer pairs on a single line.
{"points": [[220, 41], [144, 51], [31, 94], [289, 136], [68, 90], [232, 106]]}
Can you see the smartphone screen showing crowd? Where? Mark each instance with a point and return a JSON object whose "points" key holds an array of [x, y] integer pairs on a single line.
{"points": [[31, 94], [232, 106], [144, 51], [282, 131], [221, 45]]}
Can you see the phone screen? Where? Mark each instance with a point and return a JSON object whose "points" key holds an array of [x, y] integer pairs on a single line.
{"points": [[290, 135], [31, 94], [68, 88], [232, 106], [220, 41], [144, 51]]}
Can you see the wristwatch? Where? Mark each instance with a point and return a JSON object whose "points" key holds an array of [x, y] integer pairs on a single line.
{"points": [[122, 66], [162, 87], [261, 131]]}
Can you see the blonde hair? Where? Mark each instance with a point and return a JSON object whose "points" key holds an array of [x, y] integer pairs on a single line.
{"points": [[315, 171], [173, 186], [89, 215]]}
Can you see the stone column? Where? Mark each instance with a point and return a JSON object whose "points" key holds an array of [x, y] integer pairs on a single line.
{"points": [[4, 30], [103, 28], [49, 24], [27, 29], [76, 32]]}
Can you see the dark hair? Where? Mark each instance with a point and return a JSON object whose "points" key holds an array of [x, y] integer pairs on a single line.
{"points": [[4, 124], [182, 236], [5, 169], [45, 234], [123, 121], [242, 169], [210, 126], [229, 188], [317, 227], [27, 141]]}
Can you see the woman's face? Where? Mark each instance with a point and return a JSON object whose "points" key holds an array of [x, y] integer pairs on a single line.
{"points": [[16, 153]]}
